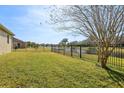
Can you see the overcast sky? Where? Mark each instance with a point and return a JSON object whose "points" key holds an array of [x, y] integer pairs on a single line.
{"points": [[24, 22]]}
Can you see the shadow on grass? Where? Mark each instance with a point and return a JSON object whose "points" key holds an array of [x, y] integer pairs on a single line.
{"points": [[116, 76]]}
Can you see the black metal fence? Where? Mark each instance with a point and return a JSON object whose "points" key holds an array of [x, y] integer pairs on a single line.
{"points": [[116, 59]]}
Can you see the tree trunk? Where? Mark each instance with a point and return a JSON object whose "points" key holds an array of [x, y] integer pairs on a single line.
{"points": [[103, 63], [103, 60], [98, 53], [103, 57]]}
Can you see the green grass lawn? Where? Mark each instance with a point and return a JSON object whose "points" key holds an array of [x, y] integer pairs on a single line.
{"points": [[31, 68]]}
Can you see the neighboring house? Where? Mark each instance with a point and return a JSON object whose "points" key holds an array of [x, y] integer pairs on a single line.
{"points": [[6, 37], [18, 43]]}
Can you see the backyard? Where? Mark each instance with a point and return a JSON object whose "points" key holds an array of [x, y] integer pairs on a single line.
{"points": [[42, 68]]}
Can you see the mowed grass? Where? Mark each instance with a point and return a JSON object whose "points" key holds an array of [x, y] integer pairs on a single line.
{"points": [[46, 69]]}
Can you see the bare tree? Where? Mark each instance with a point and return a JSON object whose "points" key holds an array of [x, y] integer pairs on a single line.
{"points": [[103, 24]]}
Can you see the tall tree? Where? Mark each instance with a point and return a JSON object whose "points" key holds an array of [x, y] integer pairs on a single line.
{"points": [[103, 24], [63, 41]]}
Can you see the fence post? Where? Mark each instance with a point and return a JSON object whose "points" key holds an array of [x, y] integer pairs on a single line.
{"points": [[51, 48], [64, 50], [80, 52], [58, 48], [71, 51]]}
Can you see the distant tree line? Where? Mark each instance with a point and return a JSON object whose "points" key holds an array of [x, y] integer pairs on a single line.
{"points": [[85, 43], [36, 45], [32, 44]]}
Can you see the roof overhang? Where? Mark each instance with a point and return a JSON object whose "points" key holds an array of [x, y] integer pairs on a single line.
{"points": [[6, 30]]}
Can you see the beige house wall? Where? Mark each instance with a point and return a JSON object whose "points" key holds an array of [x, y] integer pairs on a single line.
{"points": [[5, 47]]}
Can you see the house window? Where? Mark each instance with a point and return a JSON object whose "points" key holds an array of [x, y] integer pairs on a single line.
{"points": [[8, 39]]}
